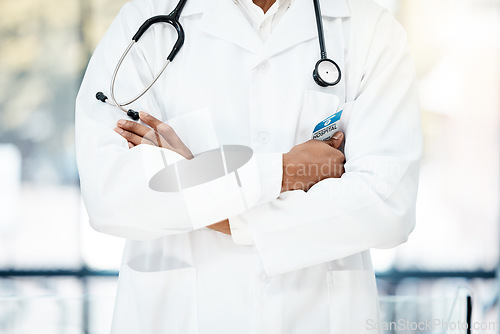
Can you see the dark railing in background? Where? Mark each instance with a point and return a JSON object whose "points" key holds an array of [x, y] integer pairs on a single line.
{"points": [[83, 274], [393, 275]]}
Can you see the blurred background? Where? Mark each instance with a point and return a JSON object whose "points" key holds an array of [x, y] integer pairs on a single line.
{"points": [[57, 275]]}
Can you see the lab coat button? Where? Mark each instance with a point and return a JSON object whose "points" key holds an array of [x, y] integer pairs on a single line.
{"points": [[264, 278], [264, 137], [264, 67]]}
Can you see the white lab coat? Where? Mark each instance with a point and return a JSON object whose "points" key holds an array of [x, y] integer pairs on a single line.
{"points": [[297, 262]]}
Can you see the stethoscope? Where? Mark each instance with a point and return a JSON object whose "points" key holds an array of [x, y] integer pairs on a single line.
{"points": [[326, 72]]}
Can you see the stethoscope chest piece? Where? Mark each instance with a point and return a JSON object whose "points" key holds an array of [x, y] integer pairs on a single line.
{"points": [[326, 73]]}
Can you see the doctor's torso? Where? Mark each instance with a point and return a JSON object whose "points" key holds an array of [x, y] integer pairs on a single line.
{"points": [[258, 94], [254, 90]]}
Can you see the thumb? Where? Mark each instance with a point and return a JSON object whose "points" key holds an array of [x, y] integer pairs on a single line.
{"points": [[336, 140]]}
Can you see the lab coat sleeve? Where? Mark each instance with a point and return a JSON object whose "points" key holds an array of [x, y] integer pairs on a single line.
{"points": [[115, 179], [373, 204], [270, 167]]}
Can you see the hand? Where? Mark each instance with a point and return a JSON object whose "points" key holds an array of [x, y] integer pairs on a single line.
{"points": [[162, 135], [222, 226], [308, 163], [158, 133], [323, 159]]}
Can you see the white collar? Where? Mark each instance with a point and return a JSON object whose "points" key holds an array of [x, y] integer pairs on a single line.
{"points": [[329, 8]]}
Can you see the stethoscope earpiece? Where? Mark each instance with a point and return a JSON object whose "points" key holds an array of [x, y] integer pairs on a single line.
{"points": [[101, 97], [133, 114], [130, 113], [326, 73]]}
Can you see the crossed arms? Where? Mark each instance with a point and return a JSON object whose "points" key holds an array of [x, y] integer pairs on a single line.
{"points": [[303, 166]]}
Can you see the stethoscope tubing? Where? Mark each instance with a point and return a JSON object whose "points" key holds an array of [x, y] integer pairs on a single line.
{"points": [[319, 24], [115, 73], [173, 20]]}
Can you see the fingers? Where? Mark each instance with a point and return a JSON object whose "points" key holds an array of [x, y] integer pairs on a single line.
{"points": [[150, 135], [165, 130], [167, 133], [159, 134], [336, 140], [132, 138], [149, 119]]}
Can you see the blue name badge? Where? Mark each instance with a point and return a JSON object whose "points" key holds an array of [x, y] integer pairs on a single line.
{"points": [[325, 129]]}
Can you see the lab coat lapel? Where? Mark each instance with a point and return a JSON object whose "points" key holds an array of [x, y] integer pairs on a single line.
{"points": [[223, 19], [299, 24], [296, 26]]}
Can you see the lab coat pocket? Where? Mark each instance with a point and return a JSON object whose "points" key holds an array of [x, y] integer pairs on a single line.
{"points": [[353, 302], [346, 109], [316, 106], [156, 301]]}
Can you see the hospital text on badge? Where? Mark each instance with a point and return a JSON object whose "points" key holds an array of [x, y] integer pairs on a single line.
{"points": [[325, 129]]}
